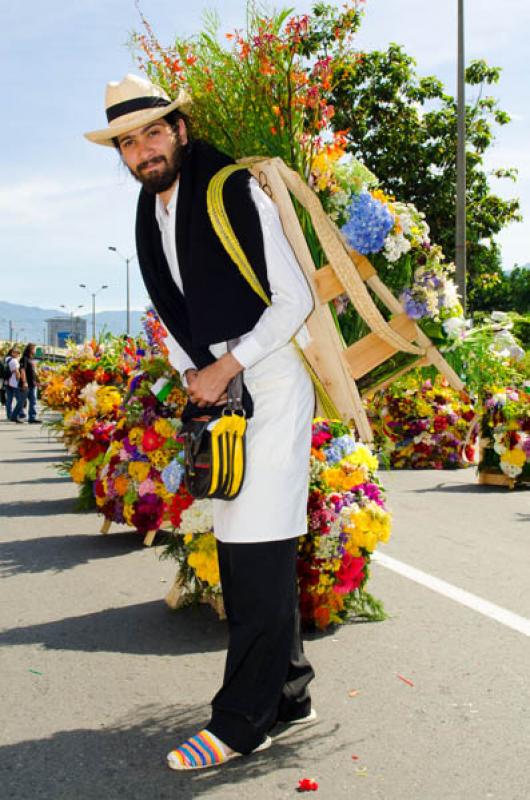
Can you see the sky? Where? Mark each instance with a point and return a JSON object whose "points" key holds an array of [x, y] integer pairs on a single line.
{"points": [[64, 201]]}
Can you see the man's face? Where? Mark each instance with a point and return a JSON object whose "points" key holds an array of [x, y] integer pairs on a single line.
{"points": [[154, 154]]}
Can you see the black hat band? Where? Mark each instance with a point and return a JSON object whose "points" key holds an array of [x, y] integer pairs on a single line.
{"points": [[137, 104]]}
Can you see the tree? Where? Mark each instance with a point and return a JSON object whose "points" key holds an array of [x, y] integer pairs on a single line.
{"points": [[404, 128]]}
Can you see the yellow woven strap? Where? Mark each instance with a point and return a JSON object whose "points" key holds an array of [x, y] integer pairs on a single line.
{"points": [[223, 228]]}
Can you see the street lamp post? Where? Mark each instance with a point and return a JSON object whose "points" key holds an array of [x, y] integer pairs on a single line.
{"points": [[460, 248], [93, 295], [127, 260]]}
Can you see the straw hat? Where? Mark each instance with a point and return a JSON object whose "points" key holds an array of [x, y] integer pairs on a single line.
{"points": [[132, 103]]}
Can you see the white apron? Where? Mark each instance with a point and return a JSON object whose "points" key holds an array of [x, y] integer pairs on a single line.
{"points": [[272, 504]]}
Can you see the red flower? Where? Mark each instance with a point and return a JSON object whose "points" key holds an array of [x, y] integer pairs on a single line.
{"points": [[350, 574], [320, 438], [151, 440], [180, 502], [470, 452], [440, 423], [90, 450], [307, 785]]}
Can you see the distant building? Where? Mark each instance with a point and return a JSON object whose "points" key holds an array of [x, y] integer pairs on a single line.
{"points": [[61, 329]]}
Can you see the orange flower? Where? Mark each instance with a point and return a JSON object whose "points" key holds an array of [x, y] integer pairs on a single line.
{"points": [[318, 454], [121, 484], [321, 617]]}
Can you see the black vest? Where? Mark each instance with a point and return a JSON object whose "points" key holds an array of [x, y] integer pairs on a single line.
{"points": [[218, 304]]}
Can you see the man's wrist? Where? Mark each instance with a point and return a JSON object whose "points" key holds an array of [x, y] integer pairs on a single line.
{"points": [[231, 365]]}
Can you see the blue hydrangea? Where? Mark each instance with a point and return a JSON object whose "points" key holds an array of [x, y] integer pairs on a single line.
{"points": [[340, 448], [172, 476], [368, 225]]}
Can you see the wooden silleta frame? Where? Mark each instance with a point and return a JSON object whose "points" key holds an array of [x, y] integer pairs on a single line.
{"points": [[347, 272]]}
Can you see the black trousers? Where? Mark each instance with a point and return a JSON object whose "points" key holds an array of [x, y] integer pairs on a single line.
{"points": [[267, 674]]}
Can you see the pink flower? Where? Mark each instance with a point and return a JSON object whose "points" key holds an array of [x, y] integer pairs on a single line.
{"points": [[146, 487]]}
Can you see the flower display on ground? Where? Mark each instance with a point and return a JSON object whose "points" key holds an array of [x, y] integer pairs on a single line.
{"points": [[139, 481], [347, 519], [506, 430], [422, 423]]}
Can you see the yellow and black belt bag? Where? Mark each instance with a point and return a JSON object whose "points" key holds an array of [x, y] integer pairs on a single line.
{"points": [[214, 448]]}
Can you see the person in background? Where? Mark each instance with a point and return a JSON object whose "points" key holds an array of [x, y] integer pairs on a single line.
{"points": [[4, 377], [15, 388], [29, 375]]}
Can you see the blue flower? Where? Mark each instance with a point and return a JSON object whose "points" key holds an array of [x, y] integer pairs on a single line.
{"points": [[368, 225], [172, 476], [340, 448]]}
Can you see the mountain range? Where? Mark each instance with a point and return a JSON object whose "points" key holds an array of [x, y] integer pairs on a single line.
{"points": [[28, 323]]}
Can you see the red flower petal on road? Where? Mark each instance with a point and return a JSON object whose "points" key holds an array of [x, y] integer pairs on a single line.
{"points": [[307, 785], [405, 680]]}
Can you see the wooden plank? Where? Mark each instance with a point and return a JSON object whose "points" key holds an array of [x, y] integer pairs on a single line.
{"points": [[105, 528], [326, 284], [149, 538], [363, 266], [369, 352], [485, 477], [419, 362]]}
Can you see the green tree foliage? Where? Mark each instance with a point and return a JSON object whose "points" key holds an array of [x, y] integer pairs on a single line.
{"points": [[404, 128]]}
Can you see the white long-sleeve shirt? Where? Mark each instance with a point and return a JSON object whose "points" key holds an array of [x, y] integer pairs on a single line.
{"points": [[291, 299]]}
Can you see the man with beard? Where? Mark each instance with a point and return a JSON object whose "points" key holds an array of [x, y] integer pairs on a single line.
{"points": [[207, 305]]}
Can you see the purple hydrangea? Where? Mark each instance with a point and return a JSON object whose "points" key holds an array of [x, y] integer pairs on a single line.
{"points": [[414, 308], [368, 225]]}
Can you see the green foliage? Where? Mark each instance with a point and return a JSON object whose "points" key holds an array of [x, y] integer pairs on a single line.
{"points": [[519, 292], [86, 500], [495, 290], [404, 128], [474, 358], [258, 91]]}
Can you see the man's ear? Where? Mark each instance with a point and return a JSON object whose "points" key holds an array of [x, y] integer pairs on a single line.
{"points": [[183, 132]]}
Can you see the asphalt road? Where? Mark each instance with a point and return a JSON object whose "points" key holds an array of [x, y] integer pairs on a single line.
{"points": [[99, 679]]}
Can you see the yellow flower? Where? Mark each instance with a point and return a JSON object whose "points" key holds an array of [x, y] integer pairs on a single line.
{"points": [[206, 566], [159, 458], [366, 527], [162, 492], [108, 399], [361, 457], [128, 511], [378, 194], [136, 436], [341, 479], [516, 457], [113, 450], [78, 470], [139, 470], [164, 427]]}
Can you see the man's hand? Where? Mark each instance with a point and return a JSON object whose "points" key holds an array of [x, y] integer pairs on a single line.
{"points": [[207, 387]]}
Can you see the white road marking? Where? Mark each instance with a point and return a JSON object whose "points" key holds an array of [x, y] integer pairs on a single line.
{"points": [[502, 615]]}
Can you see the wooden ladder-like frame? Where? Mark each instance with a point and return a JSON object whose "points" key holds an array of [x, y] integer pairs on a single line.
{"points": [[347, 272]]}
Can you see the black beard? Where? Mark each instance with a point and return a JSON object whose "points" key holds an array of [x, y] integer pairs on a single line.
{"points": [[166, 175]]}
